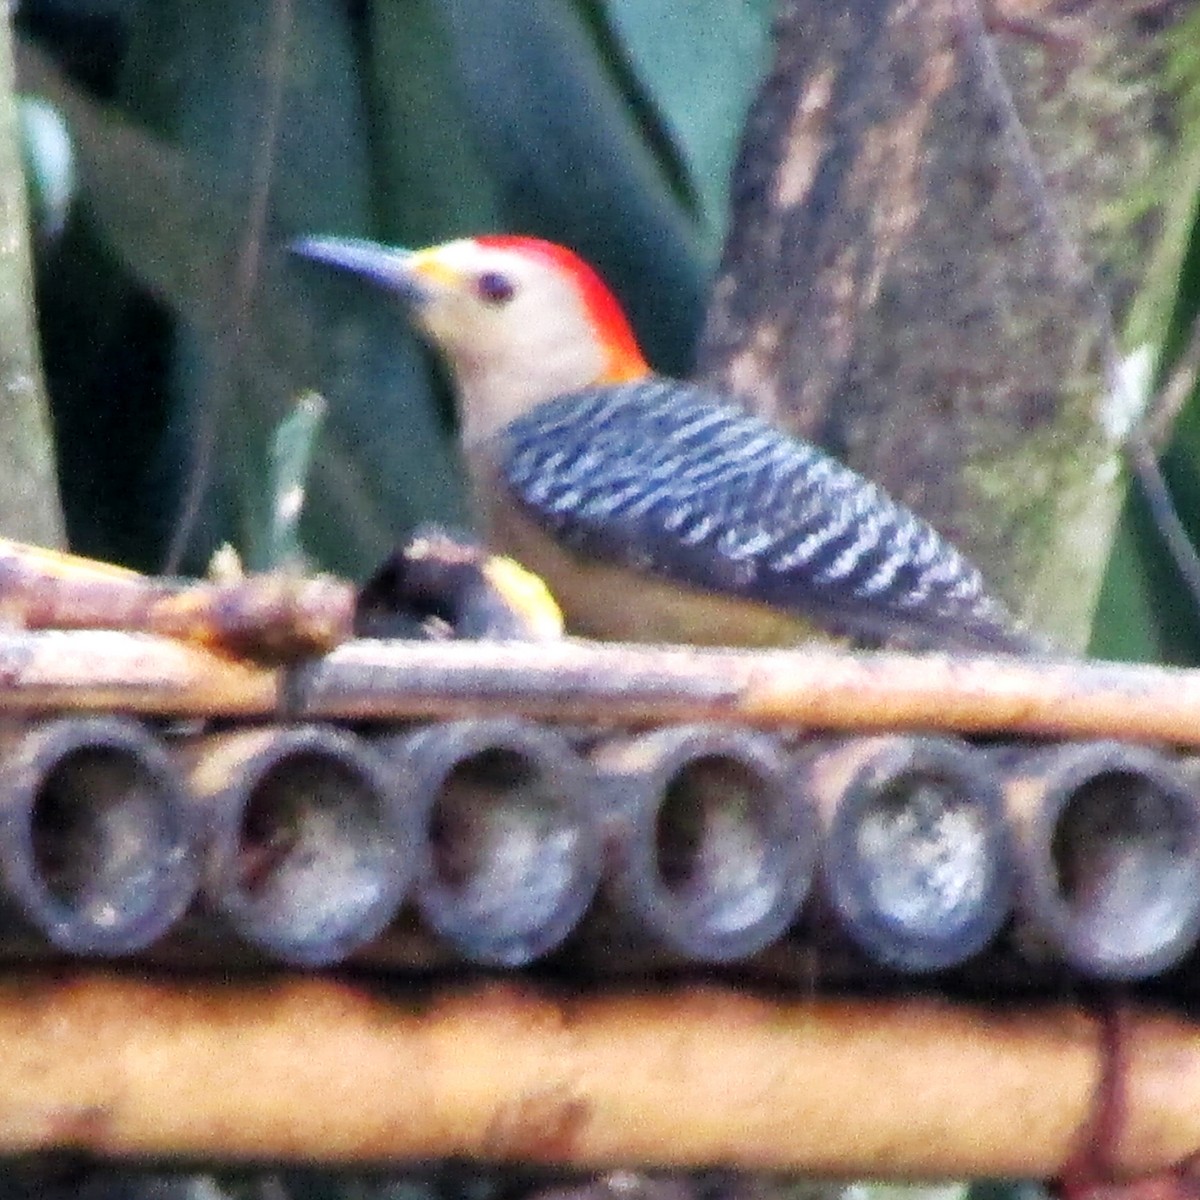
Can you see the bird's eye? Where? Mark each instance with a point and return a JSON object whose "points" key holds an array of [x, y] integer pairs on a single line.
{"points": [[494, 287]]}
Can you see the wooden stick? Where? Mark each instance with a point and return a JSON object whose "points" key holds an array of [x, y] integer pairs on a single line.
{"points": [[817, 688], [106, 671], [612, 685], [271, 617], [312, 1070]]}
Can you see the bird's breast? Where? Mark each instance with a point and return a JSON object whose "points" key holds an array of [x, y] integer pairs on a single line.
{"points": [[615, 603]]}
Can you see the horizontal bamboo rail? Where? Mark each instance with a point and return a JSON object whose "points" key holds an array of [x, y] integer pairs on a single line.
{"points": [[100, 670], [275, 616], [609, 684], [809, 688], [125, 1069]]}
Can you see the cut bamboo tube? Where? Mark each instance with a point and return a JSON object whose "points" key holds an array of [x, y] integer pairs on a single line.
{"points": [[309, 848], [310, 1070], [1108, 856], [917, 861], [96, 836], [712, 843], [508, 834]]}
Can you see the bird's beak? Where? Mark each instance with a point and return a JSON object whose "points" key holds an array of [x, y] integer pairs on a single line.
{"points": [[388, 266]]}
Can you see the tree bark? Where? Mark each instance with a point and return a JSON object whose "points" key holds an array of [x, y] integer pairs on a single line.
{"points": [[896, 286], [29, 504]]}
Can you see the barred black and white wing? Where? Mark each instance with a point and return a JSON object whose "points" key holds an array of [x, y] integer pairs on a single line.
{"points": [[667, 478]]}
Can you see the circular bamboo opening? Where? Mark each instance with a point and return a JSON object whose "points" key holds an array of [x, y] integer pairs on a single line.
{"points": [[100, 851], [924, 848], [311, 870], [919, 861], [1125, 855], [511, 862], [712, 843]]}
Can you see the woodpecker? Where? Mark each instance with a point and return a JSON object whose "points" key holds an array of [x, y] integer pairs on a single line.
{"points": [[657, 509]]}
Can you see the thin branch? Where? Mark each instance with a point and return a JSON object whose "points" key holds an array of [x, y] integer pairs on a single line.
{"points": [[1137, 444], [1167, 403], [1163, 513], [271, 617]]}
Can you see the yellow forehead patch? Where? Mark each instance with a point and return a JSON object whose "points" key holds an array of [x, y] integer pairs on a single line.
{"points": [[449, 264], [431, 265]]}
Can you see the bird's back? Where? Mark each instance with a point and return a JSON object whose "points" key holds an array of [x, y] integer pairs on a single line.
{"points": [[668, 479]]}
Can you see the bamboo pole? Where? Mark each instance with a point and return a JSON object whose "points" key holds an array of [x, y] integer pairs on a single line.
{"points": [[309, 843], [99, 670], [312, 1070], [611, 684], [809, 688]]}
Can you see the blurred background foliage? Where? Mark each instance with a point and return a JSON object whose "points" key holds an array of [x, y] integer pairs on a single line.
{"points": [[1146, 613], [173, 147], [203, 136]]}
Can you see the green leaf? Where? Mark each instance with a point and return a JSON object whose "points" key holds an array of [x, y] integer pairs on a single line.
{"points": [[1145, 610], [292, 450], [217, 102], [431, 183], [1126, 627], [386, 461], [699, 61], [251, 90], [569, 163]]}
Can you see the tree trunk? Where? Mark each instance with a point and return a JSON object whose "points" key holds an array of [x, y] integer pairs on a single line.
{"points": [[896, 286], [29, 506]]}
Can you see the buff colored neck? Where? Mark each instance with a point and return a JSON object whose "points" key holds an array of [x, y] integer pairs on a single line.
{"points": [[493, 391]]}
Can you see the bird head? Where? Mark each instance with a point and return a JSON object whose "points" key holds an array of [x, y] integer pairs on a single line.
{"points": [[519, 320]]}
